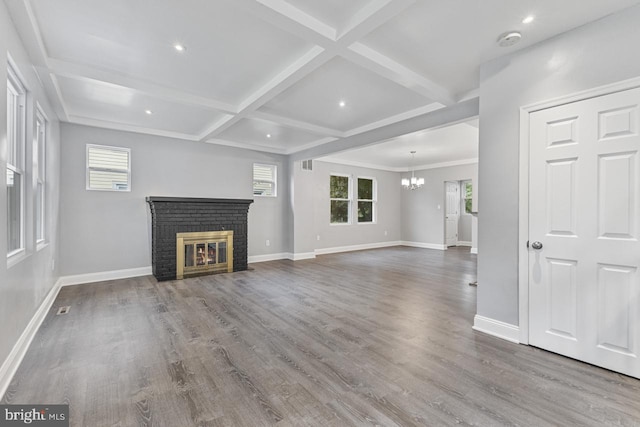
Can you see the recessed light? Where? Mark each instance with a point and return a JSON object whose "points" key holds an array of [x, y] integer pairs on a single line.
{"points": [[179, 47], [148, 112], [529, 19], [268, 135], [342, 104]]}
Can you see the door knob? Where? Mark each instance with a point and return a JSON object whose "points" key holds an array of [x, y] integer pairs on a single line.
{"points": [[536, 245]]}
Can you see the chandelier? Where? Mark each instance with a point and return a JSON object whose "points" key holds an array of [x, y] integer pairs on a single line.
{"points": [[413, 183]]}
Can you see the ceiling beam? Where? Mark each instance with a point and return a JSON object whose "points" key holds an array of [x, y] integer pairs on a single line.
{"points": [[295, 72], [370, 17], [296, 124], [95, 75], [435, 119]]}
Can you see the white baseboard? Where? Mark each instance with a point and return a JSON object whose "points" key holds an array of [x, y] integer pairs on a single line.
{"points": [[302, 255], [79, 279], [269, 257], [499, 329], [437, 246], [474, 251], [464, 243], [13, 361], [351, 248]]}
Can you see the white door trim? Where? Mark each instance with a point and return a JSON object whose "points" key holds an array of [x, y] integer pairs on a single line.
{"points": [[523, 197]]}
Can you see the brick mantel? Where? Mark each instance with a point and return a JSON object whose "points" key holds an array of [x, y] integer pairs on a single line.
{"points": [[172, 215]]}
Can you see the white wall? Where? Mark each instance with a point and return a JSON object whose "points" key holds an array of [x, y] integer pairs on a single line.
{"points": [[423, 210], [600, 53], [387, 208], [109, 231], [24, 286]]}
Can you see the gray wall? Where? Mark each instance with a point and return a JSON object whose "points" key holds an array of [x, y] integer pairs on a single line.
{"points": [[24, 286], [422, 220], [603, 52], [105, 231], [387, 208], [464, 227]]}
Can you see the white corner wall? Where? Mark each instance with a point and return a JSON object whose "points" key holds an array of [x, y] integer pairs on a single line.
{"points": [[600, 53], [27, 287], [111, 231]]}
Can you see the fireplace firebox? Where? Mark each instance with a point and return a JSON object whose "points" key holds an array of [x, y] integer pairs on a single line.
{"points": [[204, 253]]}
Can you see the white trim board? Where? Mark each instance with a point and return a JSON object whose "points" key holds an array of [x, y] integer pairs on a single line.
{"points": [[474, 251], [302, 255], [437, 246], [523, 193], [102, 276], [496, 328], [351, 248], [464, 243], [12, 362], [269, 257]]}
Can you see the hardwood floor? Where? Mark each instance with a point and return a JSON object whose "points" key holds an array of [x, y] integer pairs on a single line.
{"points": [[379, 337]]}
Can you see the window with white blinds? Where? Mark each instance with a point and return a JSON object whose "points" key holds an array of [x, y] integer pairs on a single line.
{"points": [[264, 180], [16, 142], [108, 168]]}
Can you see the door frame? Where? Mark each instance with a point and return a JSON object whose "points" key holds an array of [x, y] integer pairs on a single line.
{"points": [[445, 212], [523, 193]]}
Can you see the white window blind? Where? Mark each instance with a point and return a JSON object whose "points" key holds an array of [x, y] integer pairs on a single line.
{"points": [[264, 180], [108, 168]]}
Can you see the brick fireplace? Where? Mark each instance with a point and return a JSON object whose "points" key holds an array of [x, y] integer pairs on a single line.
{"points": [[171, 216]]}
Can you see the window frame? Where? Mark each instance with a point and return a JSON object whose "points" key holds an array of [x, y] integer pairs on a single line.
{"points": [[16, 150], [374, 190], [89, 169], [349, 200], [463, 198], [40, 176], [273, 181]]}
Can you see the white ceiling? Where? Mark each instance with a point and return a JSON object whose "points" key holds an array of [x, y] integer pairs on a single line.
{"points": [[258, 67]]}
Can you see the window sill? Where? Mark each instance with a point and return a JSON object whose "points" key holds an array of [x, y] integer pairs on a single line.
{"points": [[41, 245], [367, 223], [263, 196], [16, 257], [339, 224]]}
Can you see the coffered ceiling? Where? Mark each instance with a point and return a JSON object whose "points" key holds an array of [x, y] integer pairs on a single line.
{"points": [[274, 75]]}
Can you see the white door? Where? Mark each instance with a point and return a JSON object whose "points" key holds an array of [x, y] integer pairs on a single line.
{"points": [[584, 225], [452, 208]]}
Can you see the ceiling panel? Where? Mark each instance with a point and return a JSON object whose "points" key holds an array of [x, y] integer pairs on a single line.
{"points": [[332, 12], [229, 52], [367, 97], [448, 40], [117, 104], [443, 145], [255, 131]]}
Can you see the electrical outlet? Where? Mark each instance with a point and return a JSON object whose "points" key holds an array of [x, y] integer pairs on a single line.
{"points": [[318, 237], [385, 232], [268, 243], [53, 264]]}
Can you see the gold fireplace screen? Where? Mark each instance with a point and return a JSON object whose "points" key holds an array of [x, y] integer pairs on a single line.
{"points": [[204, 253]]}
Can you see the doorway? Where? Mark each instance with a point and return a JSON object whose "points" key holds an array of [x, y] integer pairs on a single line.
{"points": [[580, 271]]}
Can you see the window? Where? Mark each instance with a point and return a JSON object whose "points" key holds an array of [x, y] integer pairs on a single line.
{"points": [[16, 139], [467, 194], [39, 160], [264, 180], [340, 199], [366, 200], [108, 168]]}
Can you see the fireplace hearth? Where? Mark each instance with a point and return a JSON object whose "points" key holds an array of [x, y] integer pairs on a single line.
{"points": [[215, 231]]}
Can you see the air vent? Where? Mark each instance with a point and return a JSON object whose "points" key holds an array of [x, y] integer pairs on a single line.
{"points": [[307, 165], [63, 310]]}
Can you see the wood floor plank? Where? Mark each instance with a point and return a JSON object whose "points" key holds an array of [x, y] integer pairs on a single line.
{"points": [[378, 337]]}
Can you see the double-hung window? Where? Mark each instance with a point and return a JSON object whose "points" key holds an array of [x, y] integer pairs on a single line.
{"points": [[108, 168], [264, 180], [39, 159], [340, 199], [16, 140], [366, 200]]}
